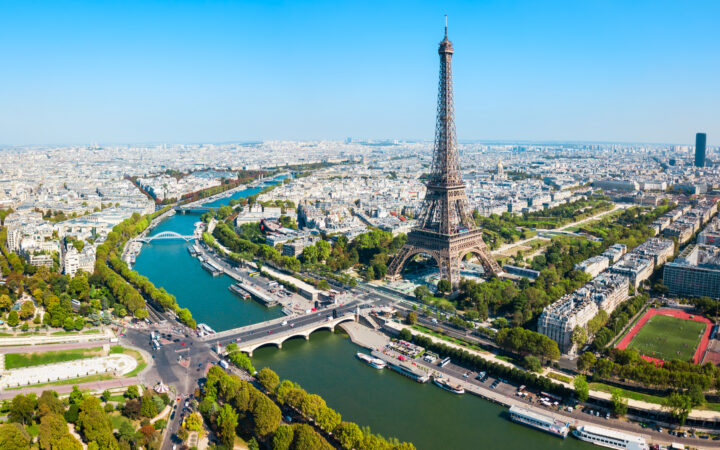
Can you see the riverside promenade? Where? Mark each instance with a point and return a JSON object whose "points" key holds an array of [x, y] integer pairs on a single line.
{"points": [[368, 338]]}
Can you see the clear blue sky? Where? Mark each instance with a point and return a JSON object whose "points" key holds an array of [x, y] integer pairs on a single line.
{"points": [[181, 71]]}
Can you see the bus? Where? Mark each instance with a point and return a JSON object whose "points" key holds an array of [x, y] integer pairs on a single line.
{"points": [[254, 274], [444, 362]]}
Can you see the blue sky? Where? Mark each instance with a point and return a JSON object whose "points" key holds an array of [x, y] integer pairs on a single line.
{"points": [[213, 71]]}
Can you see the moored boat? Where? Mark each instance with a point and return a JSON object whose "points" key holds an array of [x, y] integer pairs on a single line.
{"points": [[445, 384], [540, 421], [606, 437], [374, 362]]}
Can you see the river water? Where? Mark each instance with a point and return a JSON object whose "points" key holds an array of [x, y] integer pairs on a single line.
{"points": [[387, 402]]}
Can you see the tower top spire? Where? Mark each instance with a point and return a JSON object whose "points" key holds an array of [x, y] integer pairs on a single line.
{"points": [[445, 26]]}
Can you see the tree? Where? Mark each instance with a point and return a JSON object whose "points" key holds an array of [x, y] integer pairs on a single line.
{"points": [[444, 285], [94, 423], [227, 420], [406, 334], [307, 439], [132, 391], [421, 292], [582, 388], [679, 406], [579, 336], [13, 319], [266, 415], [160, 424], [697, 397], [620, 404], [50, 403], [532, 363], [311, 405], [147, 406], [349, 435], [54, 434], [13, 437], [149, 435], [106, 395], [22, 408], [268, 379], [126, 432], [193, 422], [131, 409], [586, 361], [27, 310], [242, 361], [76, 396], [411, 318], [5, 302], [283, 437], [328, 419]]}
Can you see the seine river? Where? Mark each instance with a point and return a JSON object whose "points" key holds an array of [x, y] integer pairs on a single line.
{"points": [[388, 403]]}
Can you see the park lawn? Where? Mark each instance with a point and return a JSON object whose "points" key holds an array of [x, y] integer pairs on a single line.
{"points": [[17, 360], [117, 419], [628, 394], [668, 338]]}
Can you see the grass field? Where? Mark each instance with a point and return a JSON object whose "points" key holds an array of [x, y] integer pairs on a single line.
{"points": [[668, 338], [17, 360]]}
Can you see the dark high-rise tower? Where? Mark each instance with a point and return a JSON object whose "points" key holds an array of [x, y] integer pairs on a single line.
{"points": [[700, 141], [445, 231]]}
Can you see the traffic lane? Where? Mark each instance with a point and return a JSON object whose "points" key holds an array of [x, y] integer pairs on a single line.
{"points": [[301, 321], [263, 332]]}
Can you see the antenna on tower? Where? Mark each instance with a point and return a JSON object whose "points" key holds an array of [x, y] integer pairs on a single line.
{"points": [[445, 26]]}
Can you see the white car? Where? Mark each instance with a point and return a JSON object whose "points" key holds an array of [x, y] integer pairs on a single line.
{"points": [[284, 323]]}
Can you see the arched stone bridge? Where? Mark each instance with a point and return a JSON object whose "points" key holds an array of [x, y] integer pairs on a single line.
{"points": [[282, 333]]}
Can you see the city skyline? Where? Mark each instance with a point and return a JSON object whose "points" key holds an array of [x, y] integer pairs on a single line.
{"points": [[239, 72]]}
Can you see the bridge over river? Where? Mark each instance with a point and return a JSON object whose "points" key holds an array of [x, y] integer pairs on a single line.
{"points": [[277, 331], [165, 235]]}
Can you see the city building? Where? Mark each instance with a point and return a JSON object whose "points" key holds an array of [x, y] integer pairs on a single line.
{"points": [[74, 261], [695, 272], [700, 142], [593, 266], [559, 319], [614, 252], [711, 234], [636, 268], [657, 249]]}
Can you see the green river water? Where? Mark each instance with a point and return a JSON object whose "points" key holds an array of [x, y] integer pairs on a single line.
{"points": [[387, 402]]}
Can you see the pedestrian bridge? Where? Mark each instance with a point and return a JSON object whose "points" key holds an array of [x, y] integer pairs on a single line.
{"points": [[199, 209], [165, 235], [283, 333]]}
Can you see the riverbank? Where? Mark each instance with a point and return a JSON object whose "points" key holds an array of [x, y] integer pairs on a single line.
{"points": [[507, 397]]}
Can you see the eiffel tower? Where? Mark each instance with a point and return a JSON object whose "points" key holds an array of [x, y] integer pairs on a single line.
{"points": [[445, 231]]}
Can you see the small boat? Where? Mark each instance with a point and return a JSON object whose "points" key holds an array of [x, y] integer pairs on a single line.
{"points": [[445, 384], [374, 362]]}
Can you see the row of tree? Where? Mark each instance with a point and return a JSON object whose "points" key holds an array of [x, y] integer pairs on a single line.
{"points": [[263, 418]]}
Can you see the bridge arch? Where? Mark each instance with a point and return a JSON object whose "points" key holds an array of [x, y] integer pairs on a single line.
{"points": [[278, 341]]}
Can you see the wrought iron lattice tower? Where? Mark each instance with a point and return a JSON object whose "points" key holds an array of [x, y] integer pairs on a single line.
{"points": [[445, 230]]}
